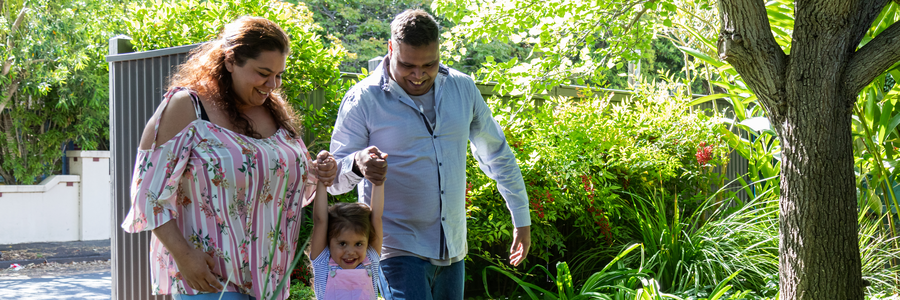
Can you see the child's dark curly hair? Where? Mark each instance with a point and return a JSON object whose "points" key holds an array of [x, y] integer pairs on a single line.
{"points": [[350, 216]]}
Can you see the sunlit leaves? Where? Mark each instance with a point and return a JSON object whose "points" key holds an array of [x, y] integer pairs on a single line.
{"points": [[569, 40], [56, 57]]}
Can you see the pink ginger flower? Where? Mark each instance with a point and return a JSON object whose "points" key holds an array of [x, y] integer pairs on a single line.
{"points": [[704, 154]]}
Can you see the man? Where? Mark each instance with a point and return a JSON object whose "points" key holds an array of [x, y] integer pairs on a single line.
{"points": [[423, 114]]}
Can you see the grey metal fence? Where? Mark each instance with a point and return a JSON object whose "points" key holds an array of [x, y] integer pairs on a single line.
{"points": [[137, 84]]}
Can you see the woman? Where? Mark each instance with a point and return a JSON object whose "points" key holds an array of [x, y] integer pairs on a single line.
{"points": [[221, 173]]}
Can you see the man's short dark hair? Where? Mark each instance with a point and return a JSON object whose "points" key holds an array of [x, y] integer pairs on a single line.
{"points": [[415, 27]]}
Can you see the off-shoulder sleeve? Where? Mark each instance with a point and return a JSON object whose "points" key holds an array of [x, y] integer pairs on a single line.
{"points": [[154, 185]]}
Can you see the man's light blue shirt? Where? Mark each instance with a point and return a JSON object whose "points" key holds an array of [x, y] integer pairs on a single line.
{"points": [[425, 184]]}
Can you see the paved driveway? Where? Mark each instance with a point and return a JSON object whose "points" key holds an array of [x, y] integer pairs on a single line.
{"points": [[82, 286]]}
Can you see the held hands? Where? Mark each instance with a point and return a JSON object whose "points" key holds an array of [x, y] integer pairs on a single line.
{"points": [[325, 168], [520, 246], [372, 164], [195, 267]]}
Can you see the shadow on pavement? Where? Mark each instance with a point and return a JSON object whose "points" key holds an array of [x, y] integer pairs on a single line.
{"points": [[83, 286]]}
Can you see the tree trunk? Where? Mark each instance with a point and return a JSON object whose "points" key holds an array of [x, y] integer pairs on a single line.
{"points": [[808, 98], [819, 252]]}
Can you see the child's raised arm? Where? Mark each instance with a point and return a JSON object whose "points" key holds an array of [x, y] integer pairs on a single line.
{"points": [[378, 209], [319, 238]]}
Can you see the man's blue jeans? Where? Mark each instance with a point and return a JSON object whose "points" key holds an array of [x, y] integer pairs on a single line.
{"points": [[412, 278]]}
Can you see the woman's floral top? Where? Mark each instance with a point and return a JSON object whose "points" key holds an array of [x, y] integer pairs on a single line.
{"points": [[234, 196]]}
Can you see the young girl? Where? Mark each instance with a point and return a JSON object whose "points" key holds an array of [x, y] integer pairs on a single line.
{"points": [[346, 244]]}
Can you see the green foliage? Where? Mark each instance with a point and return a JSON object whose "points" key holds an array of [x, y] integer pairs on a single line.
{"points": [[312, 67], [581, 162], [53, 82], [362, 26], [300, 291], [879, 254], [695, 250], [612, 278], [568, 40], [876, 116], [614, 281]]}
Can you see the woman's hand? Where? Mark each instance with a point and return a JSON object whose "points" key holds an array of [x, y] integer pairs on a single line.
{"points": [[325, 168], [195, 267]]}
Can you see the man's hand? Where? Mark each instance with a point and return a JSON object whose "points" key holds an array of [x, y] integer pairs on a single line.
{"points": [[520, 246], [370, 166], [325, 168], [195, 266]]}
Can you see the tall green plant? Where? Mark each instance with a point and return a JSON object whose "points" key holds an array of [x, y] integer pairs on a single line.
{"points": [[878, 251], [53, 82], [614, 281], [876, 116], [612, 278], [698, 249]]}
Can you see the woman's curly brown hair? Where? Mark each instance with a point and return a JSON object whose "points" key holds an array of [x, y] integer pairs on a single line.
{"points": [[238, 41]]}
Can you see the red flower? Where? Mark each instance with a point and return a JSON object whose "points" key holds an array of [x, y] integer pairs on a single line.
{"points": [[704, 154]]}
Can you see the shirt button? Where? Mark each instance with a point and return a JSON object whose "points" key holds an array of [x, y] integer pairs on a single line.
{"points": [[442, 192], [440, 164], [443, 219], [434, 137]]}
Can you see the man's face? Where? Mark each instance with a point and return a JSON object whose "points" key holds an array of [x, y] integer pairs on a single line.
{"points": [[414, 68]]}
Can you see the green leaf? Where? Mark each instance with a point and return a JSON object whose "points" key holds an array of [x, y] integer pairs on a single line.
{"points": [[702, 56], [708, 98]]}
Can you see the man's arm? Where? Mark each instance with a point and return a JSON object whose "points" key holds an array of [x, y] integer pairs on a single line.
{"points": [[349, 142], [497, 161]]}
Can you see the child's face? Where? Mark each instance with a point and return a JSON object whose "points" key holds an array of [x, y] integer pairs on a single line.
{"points": [[348, 249]]}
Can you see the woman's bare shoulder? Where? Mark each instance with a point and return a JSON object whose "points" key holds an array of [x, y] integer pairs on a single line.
{"points": [[178, 114]]}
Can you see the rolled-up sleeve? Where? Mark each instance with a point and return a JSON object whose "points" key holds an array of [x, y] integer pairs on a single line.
{"points": [[497, 160], [349, 136]]}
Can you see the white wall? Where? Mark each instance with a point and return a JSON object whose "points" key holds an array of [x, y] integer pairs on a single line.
{"points": [[94, 209], [62, 207]]}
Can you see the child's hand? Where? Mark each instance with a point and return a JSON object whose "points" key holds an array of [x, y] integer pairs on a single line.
{"points": [[325, 168]]}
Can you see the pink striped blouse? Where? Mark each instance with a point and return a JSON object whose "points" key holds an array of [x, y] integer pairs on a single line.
{"points": [[231, 195]]}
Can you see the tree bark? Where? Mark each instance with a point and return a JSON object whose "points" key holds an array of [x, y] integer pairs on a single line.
{"points": [[808, 99]]}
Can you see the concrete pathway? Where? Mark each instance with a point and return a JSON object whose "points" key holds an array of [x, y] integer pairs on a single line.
{"points": [[82, 286]]}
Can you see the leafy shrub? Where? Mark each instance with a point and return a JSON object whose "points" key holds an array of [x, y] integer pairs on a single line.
{"points": [[54, 83], [582, 161]]}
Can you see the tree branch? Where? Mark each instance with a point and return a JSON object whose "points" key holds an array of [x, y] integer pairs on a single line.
{"points": [[861, 20], [16, 25], [7, 65], [873, 59], [9, 93], [746, 42]]}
